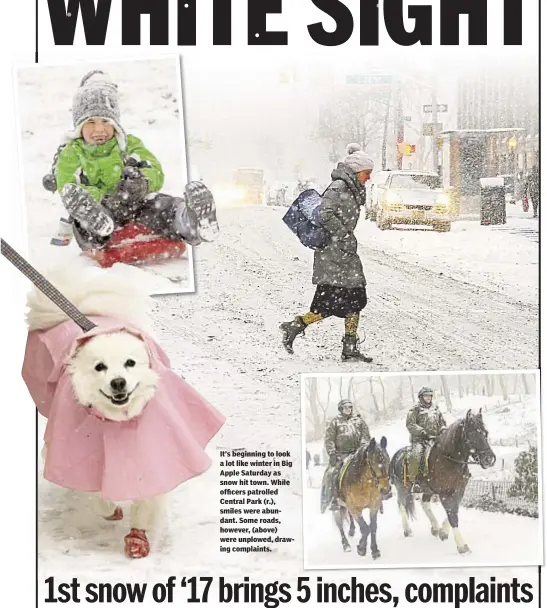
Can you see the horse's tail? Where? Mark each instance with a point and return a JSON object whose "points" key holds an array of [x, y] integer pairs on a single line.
{"points": [[394, 474], [409, 505]]}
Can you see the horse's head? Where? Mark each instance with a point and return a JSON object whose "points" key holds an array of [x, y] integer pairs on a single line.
{"points": [[475, 438], [378, 460]]}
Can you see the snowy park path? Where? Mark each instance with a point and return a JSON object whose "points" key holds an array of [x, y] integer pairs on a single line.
{"points": [[494, 538]]}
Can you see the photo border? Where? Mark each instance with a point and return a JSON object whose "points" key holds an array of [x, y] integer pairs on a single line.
{"points": [[398, 566], [190, 287]]}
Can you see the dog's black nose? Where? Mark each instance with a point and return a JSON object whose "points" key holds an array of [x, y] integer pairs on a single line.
{"points": [[118, 384]]}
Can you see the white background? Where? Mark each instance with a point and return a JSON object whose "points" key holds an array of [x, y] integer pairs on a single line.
{"points": [[17, 443]]}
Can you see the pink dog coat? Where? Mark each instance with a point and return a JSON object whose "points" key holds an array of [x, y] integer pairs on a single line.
{"points": [[135, 459]]}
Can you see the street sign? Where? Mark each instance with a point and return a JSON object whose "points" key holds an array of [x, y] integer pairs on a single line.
{"points": [[369, 79], [441, 107], [428, 129], [406, 118]]}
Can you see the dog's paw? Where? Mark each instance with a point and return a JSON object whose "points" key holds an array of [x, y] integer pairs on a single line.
{"points": [[116, 516], [136, 544]]}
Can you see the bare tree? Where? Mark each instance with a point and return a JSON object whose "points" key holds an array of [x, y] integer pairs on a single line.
{"points": [[351, 115], [526, 384], [412, 392], [446, 392], [489, 384], [460, 387], [374, 400], [383, 394], [316, 418], [503, 386]]}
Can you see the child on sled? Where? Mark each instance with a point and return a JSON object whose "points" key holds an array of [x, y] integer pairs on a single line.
{"points": [[107, 178]]}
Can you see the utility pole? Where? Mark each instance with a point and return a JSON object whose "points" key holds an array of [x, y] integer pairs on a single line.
{"points": [[384, 141], [399, 123], [435, 132]]}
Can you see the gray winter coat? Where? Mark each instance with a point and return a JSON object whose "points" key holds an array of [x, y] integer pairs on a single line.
{"points": [[338, 264], [423, 422], [345, 435]]}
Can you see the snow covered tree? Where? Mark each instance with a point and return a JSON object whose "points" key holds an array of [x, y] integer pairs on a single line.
{"points": [[526, 475]]}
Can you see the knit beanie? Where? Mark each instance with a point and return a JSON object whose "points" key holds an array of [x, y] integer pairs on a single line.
{"points": [[357, 160], [97, 96]]}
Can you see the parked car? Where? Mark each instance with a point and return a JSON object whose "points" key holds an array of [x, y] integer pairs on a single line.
{"points": [[374, 191], [411, 197]]}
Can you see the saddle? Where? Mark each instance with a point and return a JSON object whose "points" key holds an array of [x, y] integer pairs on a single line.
{"points": [[331, 477], [423, 471]]}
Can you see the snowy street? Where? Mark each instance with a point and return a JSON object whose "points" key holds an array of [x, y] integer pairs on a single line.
{"points": [[421, 286]]}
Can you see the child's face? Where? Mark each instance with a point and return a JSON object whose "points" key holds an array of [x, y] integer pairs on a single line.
{"points": [[97, 131]]}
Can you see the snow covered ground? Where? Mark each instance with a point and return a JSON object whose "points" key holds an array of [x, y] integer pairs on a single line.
{"points": [[495, 539], [150, 101], [501, 258]]}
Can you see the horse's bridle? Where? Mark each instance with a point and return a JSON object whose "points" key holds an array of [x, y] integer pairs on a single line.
{"points": [[465, 462]]}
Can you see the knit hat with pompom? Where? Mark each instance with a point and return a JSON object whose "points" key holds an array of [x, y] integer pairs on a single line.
{"points": [[357, 160], [97, 96]]}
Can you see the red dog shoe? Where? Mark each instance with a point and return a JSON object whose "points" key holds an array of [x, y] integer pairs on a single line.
{"points": [[136, 544]]}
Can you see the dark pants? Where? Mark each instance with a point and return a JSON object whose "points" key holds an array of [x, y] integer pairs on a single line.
{"points": [[157, 212], [334, 479]]}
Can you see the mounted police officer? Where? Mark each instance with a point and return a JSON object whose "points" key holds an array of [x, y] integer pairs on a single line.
{"points": [[424, 423], [343, 437]]}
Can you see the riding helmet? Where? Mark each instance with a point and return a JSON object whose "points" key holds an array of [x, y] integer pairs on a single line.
{"points": [[344, 403]]}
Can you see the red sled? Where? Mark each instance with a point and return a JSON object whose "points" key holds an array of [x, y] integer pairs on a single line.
{"points": [[135, 244]]}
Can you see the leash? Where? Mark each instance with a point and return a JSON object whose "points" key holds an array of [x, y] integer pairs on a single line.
{"points": [[46, 287]]}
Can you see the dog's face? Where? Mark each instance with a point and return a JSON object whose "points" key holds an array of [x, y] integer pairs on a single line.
{"points": [[111, 373]]}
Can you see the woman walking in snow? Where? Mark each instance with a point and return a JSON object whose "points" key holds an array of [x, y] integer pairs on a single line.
{"points": [[337, 268]]}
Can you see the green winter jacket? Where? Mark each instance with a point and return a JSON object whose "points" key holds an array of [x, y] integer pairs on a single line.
{"points": [[344, 435], [99, 169], [423, 422]]}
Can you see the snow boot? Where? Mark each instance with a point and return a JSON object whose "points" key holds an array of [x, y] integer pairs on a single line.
{"points": [[200, 212], [82, 207], [350, 352], [290, 330]]}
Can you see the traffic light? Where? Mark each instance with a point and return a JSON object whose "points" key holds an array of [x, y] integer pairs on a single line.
{"points": [[406, 149]]}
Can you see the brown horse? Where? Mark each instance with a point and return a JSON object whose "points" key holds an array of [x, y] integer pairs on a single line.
{"points": [[447, 475], [364, 482]]}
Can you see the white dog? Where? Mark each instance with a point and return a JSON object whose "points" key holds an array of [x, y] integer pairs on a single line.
{"points": [[108, 377]]}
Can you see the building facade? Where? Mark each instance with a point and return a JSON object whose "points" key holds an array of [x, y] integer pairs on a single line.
{"points": [[504, 98]]}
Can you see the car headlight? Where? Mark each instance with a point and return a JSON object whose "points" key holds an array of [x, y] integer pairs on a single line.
{"points": [[443, 200], [230, 194], [392, 198]]}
